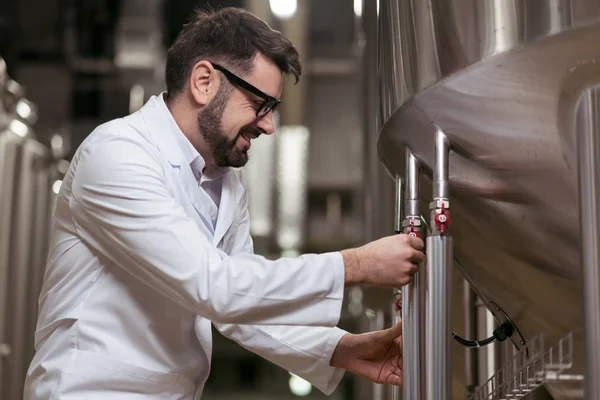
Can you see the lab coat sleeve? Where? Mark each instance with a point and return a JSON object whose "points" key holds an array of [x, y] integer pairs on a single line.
{"points": [[303, 350], [123, 209]]}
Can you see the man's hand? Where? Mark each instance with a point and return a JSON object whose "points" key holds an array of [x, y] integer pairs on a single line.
{"points": [[376, 356], [390, 262]]}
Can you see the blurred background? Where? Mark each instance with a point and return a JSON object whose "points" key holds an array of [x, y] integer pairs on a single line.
{"points": [[71, 65]]}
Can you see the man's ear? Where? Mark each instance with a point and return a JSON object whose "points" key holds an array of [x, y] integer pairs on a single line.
{"points": [[204, 82]]}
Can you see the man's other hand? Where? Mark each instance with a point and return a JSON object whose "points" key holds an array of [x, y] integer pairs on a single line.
{"points": [[376, 356]]}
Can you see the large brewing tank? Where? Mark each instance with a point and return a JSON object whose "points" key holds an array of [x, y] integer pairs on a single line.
{"points": [[502, 79], [28, 180]]}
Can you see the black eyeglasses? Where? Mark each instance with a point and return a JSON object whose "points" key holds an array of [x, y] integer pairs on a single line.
{"points": [[269, 103]]}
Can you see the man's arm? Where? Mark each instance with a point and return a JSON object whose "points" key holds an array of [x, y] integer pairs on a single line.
{"points": [[320, 355], [123, 209]]}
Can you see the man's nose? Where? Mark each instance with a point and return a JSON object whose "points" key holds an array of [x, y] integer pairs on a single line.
{"points": [[265, 123]]}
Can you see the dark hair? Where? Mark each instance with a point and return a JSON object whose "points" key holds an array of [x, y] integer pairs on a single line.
{"points": [[231, 37]]}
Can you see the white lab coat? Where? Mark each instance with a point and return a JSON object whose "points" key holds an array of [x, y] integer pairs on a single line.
{"points": [[136, 275]]}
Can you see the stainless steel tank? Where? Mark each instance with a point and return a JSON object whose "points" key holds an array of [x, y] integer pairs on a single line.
{"points": [[502, 79], [28, 172]]}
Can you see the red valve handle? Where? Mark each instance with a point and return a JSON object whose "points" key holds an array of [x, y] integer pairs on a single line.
{"points": [[398, 304], [442, 219], [412, 231]]}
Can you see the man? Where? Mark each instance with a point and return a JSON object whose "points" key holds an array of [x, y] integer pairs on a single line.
{"points": [[151, 242]]}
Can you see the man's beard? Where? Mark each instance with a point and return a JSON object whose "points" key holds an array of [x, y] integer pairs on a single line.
{"points": [[223, 150]]}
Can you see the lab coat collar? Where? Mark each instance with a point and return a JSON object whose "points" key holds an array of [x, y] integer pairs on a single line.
{"points": [[164, 130], [162, 127]]}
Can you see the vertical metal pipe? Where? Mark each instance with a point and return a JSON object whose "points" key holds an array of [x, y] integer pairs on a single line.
{"points": [[488, 359], [438, 328], [397, 311], [398, 207], [377, 185], [440, 165], [408, 338], [412, 186], [8, 168], [377, 324], [439, 269], [378, 188], [413, 387], [588, 148], [471, 332]]}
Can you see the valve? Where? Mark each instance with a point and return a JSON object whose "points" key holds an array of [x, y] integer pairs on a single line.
{"points": [[398, 304], [442, 219], [413, 231], [411, 226]]}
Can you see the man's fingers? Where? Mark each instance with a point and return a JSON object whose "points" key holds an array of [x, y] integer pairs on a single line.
{"points": [[417, 256], [416, 243], [394, 379], [395, 331]]}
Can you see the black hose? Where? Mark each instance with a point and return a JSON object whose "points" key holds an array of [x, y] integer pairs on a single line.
{"points": [[501, 333], [473, 343]]}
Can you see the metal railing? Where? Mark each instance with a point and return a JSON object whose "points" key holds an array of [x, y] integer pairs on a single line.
{"points": [[528, 370]]}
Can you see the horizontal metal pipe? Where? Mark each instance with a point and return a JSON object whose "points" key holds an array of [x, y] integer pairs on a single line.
{"points": [[438, 327]]}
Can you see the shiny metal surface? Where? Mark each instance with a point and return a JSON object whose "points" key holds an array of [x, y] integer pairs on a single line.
{"points": [[470, 326], [27, 259], [488, 357], [413, 294], [377, 323], [379, 186], [588, 152], [440, 163], [27, 173], [413, 174], [437, 331], [398, 306], [502, 79], [378, 189], [399, 203], [438, 272], [7, 156], [395, 392]]}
